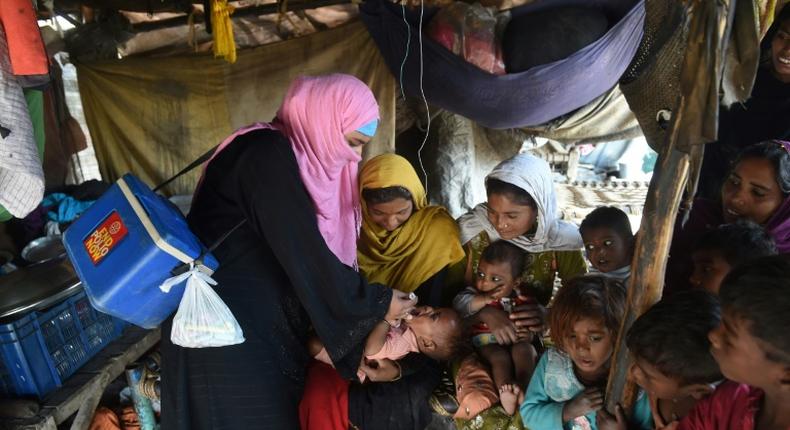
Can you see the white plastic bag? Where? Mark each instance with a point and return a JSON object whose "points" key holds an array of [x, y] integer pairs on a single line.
{"points": [[202, 320]]}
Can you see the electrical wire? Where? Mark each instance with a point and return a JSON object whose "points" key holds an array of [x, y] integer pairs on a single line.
{"points": [[408, 47], [422, 74], [424, 100]]}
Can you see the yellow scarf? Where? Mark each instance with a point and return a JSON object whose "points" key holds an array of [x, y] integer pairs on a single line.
{"points": [[426, 243]]}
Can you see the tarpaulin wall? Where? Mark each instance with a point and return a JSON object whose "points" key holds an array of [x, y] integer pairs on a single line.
{"points": [[152, 116]]}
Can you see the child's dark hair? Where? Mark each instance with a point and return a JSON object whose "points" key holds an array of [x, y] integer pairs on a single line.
{"points": [[673, 336], [784, 14], [374, 196], [458, 347], [774, 152], [516, 194], [455, 344], [767, 41], [594, 297], [758, 291], [608, 217], [502, 251], [738, 242]]}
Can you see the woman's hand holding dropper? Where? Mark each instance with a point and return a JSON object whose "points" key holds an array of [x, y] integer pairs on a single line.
{"points": [[400, 308]]}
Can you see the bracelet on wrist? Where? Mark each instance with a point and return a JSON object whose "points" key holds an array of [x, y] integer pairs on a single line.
{"points": [[400, 372]]}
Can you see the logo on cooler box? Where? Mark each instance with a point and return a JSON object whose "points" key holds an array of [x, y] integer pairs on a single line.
{"points": [[106, 236]]}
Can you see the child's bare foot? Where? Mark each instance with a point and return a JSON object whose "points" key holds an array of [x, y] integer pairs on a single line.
{"points": [[509, 395]]}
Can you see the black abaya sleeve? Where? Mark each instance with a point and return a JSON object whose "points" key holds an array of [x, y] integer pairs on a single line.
{"points": [[342, 306], [398, 405]]}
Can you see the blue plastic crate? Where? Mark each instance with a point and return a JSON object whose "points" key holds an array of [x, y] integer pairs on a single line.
{"points": [[42, 349], [6, 381], [125, 245]]}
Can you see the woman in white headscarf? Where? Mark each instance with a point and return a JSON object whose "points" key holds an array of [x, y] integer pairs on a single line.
{"points": [[522, 209]]}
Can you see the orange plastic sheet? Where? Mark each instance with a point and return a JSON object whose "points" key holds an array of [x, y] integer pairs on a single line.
{"points": [[25, 47]]}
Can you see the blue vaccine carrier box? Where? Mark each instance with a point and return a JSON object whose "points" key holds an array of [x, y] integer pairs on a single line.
{"points": [[125, 245]]}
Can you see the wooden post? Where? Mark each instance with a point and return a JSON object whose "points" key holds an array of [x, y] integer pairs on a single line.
{"points": [[650, 252], [694, 122]]}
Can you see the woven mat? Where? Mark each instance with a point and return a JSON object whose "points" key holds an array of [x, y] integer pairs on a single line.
{"points": [[651, 84]]}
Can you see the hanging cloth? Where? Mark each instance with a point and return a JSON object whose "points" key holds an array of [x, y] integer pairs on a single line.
{"points": [[524, 99], [21, 175], [25, 46]]}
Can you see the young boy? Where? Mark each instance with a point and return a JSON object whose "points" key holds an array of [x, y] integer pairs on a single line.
{"points": [[496, 285], [752, 348], [725, 247], [609, 242], [671, 352]]}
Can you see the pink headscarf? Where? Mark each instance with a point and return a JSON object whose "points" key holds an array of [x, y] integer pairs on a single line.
{"points": [[316, 114]]}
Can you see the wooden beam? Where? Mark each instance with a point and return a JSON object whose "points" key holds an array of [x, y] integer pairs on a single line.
{"points": [[81, 393], [152, 6], [95, 390], [266, 9]]}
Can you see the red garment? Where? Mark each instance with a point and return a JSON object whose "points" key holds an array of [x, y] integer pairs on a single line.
{"points": [[732, 406], [25, 46], [324, 405]]}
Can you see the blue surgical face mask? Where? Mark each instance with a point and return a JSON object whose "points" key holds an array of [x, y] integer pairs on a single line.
{"points": [[369, 129]]}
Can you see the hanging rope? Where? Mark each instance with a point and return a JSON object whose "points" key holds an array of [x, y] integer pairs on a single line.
{"points": [[192, 37], [224, 45]]}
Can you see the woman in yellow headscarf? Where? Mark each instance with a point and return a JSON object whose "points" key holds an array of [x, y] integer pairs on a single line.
{"points": [[404, 243]]}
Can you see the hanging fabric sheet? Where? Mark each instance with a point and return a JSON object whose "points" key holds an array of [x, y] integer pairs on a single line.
{"points": [[21, 175], [138, 105], [523, 99]]}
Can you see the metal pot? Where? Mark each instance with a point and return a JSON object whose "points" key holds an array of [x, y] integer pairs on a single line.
{"points": [[44, 249]]}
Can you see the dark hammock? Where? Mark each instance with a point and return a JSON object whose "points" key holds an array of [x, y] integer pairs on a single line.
{"points": [[523, 99]]}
